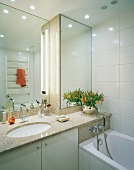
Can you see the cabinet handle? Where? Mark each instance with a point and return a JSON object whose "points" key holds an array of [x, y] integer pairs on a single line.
{"points": [[38, 147]]}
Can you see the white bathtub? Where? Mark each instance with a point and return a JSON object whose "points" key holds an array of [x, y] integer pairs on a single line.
{"points": [[121, 148]]}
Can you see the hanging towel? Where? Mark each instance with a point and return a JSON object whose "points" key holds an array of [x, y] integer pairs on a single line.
{"points": [[21, 77]]}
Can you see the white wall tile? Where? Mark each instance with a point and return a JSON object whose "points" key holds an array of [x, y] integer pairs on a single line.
{"points": [[127, 72], [110, 42], [110, 73], [96, 45], [96, 74], [126, 19], [126, 55], [127, 125], [109, 26], [87, 61], [96, 86], [127, 90], [96, 59], [110, 89], [110, 105], [77, 75], [96, 31], [110, 57], [127, 108], [126, 37], [67, 75], [115, 122], [87, 48]]}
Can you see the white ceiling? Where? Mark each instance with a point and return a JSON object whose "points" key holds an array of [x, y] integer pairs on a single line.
{"points": [[75, 9], [21, 34]]}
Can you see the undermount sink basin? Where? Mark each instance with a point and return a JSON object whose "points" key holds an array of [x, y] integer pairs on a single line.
{"points": [[29, 130]]}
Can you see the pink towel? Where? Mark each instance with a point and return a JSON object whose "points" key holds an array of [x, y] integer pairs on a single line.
{"points": [[21, 77]]}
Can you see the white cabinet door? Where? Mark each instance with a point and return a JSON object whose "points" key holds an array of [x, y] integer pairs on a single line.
{"points": [[25, 158], [61, 151]]}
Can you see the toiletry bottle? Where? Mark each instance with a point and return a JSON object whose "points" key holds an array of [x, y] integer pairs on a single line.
{"points": [[4, 115]]}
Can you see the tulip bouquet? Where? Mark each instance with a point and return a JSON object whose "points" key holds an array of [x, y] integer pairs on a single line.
{"points": [[84, 98]]}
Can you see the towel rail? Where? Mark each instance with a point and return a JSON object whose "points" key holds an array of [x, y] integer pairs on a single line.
{"points": [[12, 64]]}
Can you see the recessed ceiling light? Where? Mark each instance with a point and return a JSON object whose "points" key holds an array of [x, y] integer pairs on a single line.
{"points": [[111, 29], [32, 6], [27, 49], [12, 0], [94, 35], [2, 36], [86, 16], [104, 7], [114, 2], [24, 17], [5, 11], [70, 25]]}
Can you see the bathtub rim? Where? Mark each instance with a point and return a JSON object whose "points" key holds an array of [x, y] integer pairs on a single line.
{"points": [[88, 147]]}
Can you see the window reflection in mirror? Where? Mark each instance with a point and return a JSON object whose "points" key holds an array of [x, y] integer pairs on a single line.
{"points": [[20, 47], [75, 57]]}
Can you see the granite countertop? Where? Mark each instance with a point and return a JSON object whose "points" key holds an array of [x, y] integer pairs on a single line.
{"points": [[77, 119]]}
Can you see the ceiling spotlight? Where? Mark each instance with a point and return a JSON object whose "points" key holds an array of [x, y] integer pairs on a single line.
{"points": [[5, 11], [27, 49], [32, 6], [2, 36], [111, 29], [94, 35], [86, 16], [12, 0], [104, 7], [114, 2], [24, 17], [70, 25]]}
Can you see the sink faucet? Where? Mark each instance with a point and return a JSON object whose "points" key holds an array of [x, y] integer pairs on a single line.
{"points": [[23, 117]]}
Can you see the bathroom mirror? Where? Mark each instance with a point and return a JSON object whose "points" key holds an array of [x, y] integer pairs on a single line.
{"points": [[20, 47], [75, 57]]}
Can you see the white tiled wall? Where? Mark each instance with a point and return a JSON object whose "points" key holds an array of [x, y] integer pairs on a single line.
{"points": [[21, 98], [76, 63], [113, 69]]}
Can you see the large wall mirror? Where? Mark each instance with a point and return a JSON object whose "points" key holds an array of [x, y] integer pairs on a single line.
{"points": [[20, 47], [75, 57]]}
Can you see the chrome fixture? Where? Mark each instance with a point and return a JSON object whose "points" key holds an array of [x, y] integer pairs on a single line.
{"points": [[23, 117], [114, 2]]}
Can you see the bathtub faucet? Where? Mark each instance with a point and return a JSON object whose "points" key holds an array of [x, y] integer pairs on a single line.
{"points": [[94, 129]]}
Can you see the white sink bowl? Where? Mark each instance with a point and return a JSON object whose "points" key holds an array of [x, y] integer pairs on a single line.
{"points": [[29, 130]]}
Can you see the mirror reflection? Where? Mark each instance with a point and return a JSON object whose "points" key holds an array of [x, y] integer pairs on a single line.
{"points": [[20, 48], [75, 57]]}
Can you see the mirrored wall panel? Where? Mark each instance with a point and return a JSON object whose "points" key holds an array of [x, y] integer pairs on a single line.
{"points": [[75, 57], [20, 48]]}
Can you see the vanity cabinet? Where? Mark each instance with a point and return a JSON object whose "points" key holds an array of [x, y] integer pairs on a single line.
{"points": [[25, 158], [61, 151]]}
